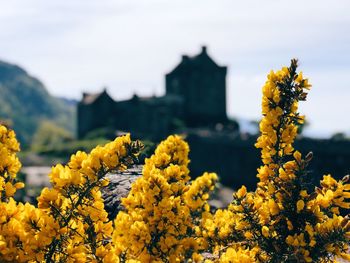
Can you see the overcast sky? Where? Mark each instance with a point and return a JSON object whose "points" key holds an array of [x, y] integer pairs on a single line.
{"points": [[128, 46]]}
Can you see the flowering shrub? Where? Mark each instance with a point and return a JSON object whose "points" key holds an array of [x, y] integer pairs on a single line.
{"points": [[285, 219], [167, 217], [69, 224], [163, 214]]}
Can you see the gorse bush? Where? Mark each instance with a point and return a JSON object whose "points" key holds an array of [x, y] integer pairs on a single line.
{"points": [[285, 219], [164, 210], [69, 224], [167, 217]]}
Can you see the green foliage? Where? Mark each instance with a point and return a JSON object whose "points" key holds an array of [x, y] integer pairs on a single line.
{"points": [[67, 148], [105, 132], [49, 135], [25, 103]]}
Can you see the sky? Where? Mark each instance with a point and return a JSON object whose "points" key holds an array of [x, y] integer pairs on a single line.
{"points": [[128, 46]]}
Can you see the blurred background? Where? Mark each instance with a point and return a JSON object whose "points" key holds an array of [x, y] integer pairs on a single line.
{"points": [[74, 74]]}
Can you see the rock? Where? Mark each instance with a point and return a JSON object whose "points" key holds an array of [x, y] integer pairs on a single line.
{"points": [[119, 187]]}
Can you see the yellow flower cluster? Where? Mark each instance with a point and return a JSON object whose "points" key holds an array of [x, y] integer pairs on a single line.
{"points": [[278, 127], [25, 231], [332, 195], [9, 163], [238, 255], [75, 202], [18, 222], [70, 223], [163, 209]]}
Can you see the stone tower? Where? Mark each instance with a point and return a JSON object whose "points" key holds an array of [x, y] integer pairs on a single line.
{"points": [[202, 84]]}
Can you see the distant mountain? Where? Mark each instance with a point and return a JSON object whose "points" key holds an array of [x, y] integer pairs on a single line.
{"points": [[25, 103], [69, 102]]}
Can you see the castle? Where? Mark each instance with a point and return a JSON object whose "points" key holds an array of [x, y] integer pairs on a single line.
{"points": [[195, 100], [195, 97]]}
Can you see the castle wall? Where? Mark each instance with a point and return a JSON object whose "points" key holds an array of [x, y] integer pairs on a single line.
{"points": [[236, 160], [85, 119], [150, 118]]}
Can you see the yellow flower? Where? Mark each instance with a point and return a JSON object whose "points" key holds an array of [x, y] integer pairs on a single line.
{"points": [[265, 231], [9, 189], [290, 225], [241, 192], [300, 205], [19, 185], [297, 156]]}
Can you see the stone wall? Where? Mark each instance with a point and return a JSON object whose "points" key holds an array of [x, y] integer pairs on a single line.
{"points": [[236, 160]]}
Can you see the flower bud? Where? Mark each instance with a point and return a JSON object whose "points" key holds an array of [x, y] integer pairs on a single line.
{"points": [[309, 157], [346, 178]]}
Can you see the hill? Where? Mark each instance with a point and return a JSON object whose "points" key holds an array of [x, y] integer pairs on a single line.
{"points": [[25, 103]]}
